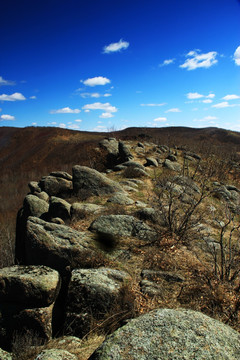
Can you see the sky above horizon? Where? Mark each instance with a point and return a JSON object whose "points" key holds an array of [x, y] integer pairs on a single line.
{"points": [[100, 65]]}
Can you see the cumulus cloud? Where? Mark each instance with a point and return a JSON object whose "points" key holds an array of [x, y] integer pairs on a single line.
{"points": [[33, 97], [98, 80], [236, 56], [194, 96], [207, 101], [208, 118], [66, 110], [6, 82], [78, 120], [174, 110], [221, 105], [116, 47], [6, 117], [106, 115], [166, 62], [231, 97], [197, 60], [94, 95], [13, 97], [106, 107], [160, 119], [153, 104]]}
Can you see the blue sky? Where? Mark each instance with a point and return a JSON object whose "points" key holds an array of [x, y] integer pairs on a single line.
{"points": [[103, 64]]}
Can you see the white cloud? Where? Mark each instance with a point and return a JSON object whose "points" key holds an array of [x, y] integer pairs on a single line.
{"points": [[210, 119], [34, 124], [65, 110], [6, 82], [194, 96], [74, 127], [87, 111], [106, 115], [207, 101], [78, 120], [166, 62], [196, 60], [98, 80], [221, 105], [174, 110], [14, 97], [153, 104], [33, 97], [210, 96], [106, 107], [161, 119], [62, 125], [100, 128], [94, 95], [231, 97], [6, 117], [116, 47], [236, 56]]}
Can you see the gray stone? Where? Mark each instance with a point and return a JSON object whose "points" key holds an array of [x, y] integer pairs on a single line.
{"points": [[42, 195], [120, 198], [55, 354], [33, 186], [135, 172], [151, 162], [148, 214], [55, 186], [33, 206], [174, 166], [119, 167], [124, 152], [92, 294], [139, 144], [134, 164], [4, 355], [59, 208], [172, 157], [35, 286], [111, 145], [56, 246], [88, 182], [81, 210], [122, 225], [171, 334], [61, 174]]}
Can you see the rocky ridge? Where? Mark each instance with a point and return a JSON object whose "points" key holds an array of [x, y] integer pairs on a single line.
{"points": [[77, 243]]}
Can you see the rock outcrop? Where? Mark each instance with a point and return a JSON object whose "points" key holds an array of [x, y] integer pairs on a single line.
{"points": [[171, 334]]}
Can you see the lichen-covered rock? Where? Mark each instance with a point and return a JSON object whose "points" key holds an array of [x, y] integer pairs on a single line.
{"points": [[151, 162], [121, 198], [171, 334], [81, 210], [124, 152], [55, 185], [174, 166], [34, 187], [4, 355], [61, 174], [33, 206], [88, 182], [56, 246], [122, 225], [31, 286], [92, 294], [59, 208], [55, 354]]}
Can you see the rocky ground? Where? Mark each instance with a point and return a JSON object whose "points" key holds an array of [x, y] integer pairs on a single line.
{"points": [[158, 230]]}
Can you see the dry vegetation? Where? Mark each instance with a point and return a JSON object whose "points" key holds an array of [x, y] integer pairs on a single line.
{"points": [[211, 274]]}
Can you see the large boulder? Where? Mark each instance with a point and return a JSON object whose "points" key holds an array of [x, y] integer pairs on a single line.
{"points": [[88, 182], [171, 334], [92, 294], [59, 208], [111, 146], [55, 354], [31, 286], [174, 166], [56, 246], [33, 206], [122, 225], [81, 210], [124, 152], [56, 185], [27, 297]]}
